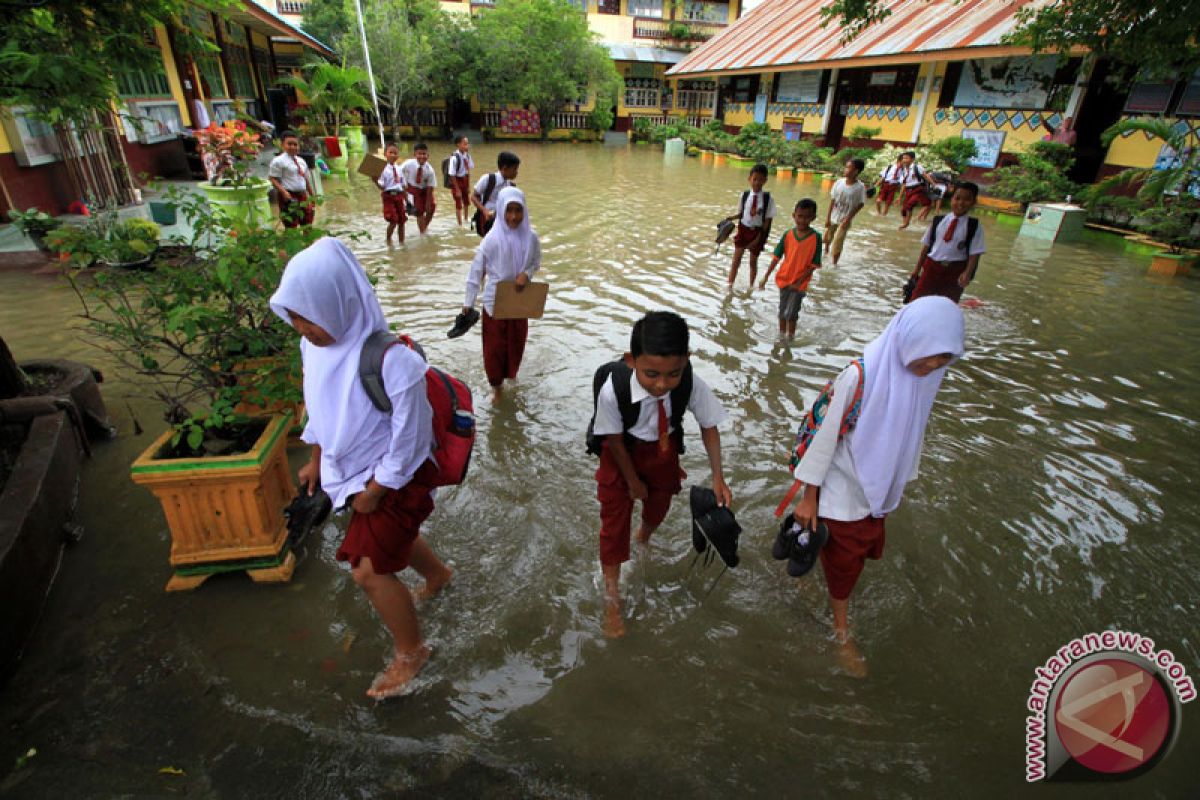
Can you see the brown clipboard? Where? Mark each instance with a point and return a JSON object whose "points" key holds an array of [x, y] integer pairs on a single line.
{"points": [[372, 166], [529, 303]]}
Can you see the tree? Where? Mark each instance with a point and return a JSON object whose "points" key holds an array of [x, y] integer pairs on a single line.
{"points": [[330, 22], [1154, 35], [541, 53], [401, 55], [334, 91]]}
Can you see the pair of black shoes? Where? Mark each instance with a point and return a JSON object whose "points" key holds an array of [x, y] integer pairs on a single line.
{"points": [[463, 323], [305, 512], [798, 545], [714, 525]]}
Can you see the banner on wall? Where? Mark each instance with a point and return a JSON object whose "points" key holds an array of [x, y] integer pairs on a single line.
{"points": [[518, 120], [988, 145], [799, 87], [1018, 82], [792, 128]]}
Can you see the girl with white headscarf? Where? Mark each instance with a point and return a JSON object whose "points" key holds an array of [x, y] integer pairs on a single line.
{"points": [[380, 464], [510, 252], [852, 483]]}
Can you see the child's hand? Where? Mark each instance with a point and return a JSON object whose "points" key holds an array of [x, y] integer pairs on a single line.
{"points": [[964, 279], [522, 281], [367, 501], [805, 511], [638, 491], [721, 490], [310, 477]]}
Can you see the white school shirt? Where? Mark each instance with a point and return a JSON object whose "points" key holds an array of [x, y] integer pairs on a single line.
{"points": [[892, 173], [703, 404], [757, 220], [911, 176], [956, 248], [845, 198], [829, 463], [417, 176], [481, 187], [461, 164], [495, 273], [290, 171], [392, 179]]}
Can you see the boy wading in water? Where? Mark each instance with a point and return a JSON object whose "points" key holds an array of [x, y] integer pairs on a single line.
{"points": [[392, 194], [288, 173], [951, 249], [800, 252], [755, 213], [378, 464], [637, 431], [847, 198], [420, 182], [460, 168], [854, 481]]}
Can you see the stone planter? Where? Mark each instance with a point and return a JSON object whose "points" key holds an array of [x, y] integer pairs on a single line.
{"points": [[784, 172], [1172, 264], [706, 155], [250, 204], [224, 513], [806, 175], [356, 140], [997, 204], [338, 164], [720, 159], [827, 182]]}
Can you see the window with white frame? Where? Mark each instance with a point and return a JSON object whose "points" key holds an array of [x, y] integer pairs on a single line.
{"points": [[151, 122], [643, 92], [706, 11], [646, 8]]}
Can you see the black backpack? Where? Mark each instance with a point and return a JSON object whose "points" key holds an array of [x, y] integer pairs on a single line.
{"points": [[972, 227], [622, 374], [766, 205], [477, 221], [446, 171]]}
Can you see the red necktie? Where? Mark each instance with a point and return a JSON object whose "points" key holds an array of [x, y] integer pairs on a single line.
{"points": [[753, 205], [299, 169], [950, 230], [664, 434]]}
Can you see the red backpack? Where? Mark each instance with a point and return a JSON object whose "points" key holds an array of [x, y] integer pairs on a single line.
{"points": [[812, 423], [450, 398]]}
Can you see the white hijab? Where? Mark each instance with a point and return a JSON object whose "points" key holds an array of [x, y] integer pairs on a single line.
{"points": [[325, 284], [886, 441], [511, 247]]}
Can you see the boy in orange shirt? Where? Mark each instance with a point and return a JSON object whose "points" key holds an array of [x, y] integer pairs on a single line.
{"points": [[800, 251]]}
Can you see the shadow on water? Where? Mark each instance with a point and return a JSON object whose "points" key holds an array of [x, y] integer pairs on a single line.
{"points": [[1054, 499]]}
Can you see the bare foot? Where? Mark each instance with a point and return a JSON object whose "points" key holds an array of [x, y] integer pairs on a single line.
{"points": [[433, 585], [849, 656], [644, 534], [395, 679], [902, 227], [497, 391], [614, 623]]}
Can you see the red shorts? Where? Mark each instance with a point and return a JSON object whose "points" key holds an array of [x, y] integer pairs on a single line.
{"points": [[503, 347], [850, 545], [393, 207], [915, 196], [387, 534], [656, 468], [746, 238], [939, 277], [887, 192], [423, 201], [461, 189], [297, 211]]}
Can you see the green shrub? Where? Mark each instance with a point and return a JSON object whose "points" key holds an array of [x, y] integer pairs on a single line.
{"points": [[864, 132], [1039, 175], [642, 128], [954, 151], [600, 118], [1173, 222]]}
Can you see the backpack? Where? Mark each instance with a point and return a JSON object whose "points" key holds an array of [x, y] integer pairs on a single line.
{"points": [[477, 221], [766, 205], [446, 170], [972, 228], [622, 374], [450, 399], [811, 423]]}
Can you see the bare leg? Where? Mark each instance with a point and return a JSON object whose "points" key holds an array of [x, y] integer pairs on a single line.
{"points": [[391, 230], [849, 655], [753, 267], [394, 604], [737, 264], [791, 329], [429, 567], [497, 391], [783, 326], [614, 624], [904, 215]]}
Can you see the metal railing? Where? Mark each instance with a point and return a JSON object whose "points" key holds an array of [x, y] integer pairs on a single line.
{"points": [[675, 30], [672, 119], [290, 6]]}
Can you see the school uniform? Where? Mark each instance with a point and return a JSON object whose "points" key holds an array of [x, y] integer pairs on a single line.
{"points": [[655, 456], [489, 200], [325, 284], [947, 257], [890, 183], [460, 168], [503, 255], [756, 213], [914, 187], [420, 180], [391, 185], [862, 475], [292, 174]]}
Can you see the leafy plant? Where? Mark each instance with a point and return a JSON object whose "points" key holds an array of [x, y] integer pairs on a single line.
{"points": [[1180, 174], [334, 91], [864, 132], [1173, 223], [104, 237], [229, 151], [1039, 175], [954, 151], [600, 118], [642, 129], [33, 223]]}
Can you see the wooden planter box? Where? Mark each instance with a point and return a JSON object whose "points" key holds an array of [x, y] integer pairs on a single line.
{"points": [[719, 159], [783, 172], [1171, 264], [706, 155], [807, 175], [741, 162], [996, 204], [224, 513], [827, 182]]}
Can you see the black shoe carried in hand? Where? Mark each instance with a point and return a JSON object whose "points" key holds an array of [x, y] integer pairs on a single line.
{"points": [[304, 513], [463, 323], [805, 549], [785, 539]]}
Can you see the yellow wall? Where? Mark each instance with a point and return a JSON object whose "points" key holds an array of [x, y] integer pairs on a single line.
{"points": [[1136, 150], [5, 147]]}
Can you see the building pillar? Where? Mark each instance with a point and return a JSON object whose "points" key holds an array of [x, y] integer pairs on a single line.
{"points": [[1080, 89], [924, 103], [830, 91]]}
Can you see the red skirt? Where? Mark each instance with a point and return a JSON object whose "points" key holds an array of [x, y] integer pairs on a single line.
{"points": [[915, 196], [387, 534], [393, 207], [503, 347], [941, 278], [297, 211], [887, 192], [655, 467], [749, 238], [850, 545], [423, 201]]}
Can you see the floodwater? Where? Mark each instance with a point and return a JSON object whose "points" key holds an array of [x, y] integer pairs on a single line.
{"points": [[1056, 497]]}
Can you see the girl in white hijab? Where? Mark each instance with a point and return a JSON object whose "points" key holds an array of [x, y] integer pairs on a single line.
{"points": [[377, 463], [852, 483], [510, 252]]}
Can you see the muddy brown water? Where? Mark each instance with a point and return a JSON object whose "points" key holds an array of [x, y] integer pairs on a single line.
{"points": [[1057, 497]]}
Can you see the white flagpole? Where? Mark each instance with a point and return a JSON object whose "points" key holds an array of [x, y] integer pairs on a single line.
{"points": [[370, 73]]}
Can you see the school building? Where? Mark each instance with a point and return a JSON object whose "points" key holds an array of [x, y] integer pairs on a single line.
{"points": [[928, 71], [154, 106]]}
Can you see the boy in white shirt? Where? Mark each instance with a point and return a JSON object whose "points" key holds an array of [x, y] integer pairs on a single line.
{"points": [[889, 182], [755, 213], [951, 249], [915, 193], [420, 181], [488, 189], [637, 432], [289, 175], [847, 198], [391, 191], [460, 168]]}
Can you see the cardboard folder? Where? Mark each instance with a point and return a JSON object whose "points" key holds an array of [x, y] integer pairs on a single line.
{"points": [[529, 303], [372, 166]]}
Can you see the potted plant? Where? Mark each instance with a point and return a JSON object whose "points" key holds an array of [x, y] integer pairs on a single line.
{"points": [[356, 139], [229, 152], [333, 93], [107, 239], [1039, 175], [186, 331], [1172, 223], [34, 224]]}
